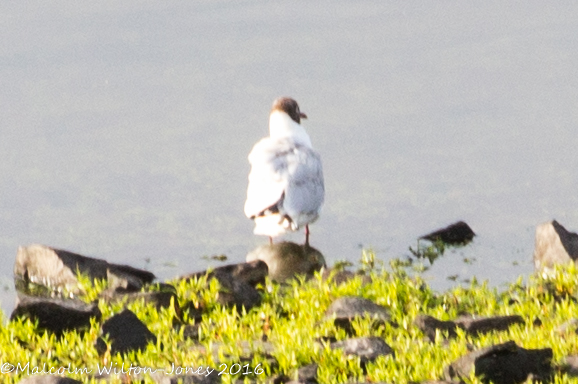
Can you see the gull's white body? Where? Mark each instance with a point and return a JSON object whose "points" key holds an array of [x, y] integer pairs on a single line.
{"points": [[286, 179]]}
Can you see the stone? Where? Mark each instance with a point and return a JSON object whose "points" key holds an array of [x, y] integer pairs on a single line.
{"points": [[481, 325], [194, 313], [236, 292], [504, 363], [471, 325], [286, 260], [55, 315], [57, 268], [455, 234], [554, 245], [49, 379], [307, 373], [346, 308], [191, 331], [429, 325], [342, 276], [125, 333], [367, 348], [237, 282], [252, 273], [158, 299]]}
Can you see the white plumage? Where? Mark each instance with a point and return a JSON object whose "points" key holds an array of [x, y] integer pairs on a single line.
{"points": [[286, 189]]}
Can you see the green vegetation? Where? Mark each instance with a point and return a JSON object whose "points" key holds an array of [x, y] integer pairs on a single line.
{"points": [[291, 319]]}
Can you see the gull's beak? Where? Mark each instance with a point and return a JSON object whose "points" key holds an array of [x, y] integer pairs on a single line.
{"points": [[302, 115]]}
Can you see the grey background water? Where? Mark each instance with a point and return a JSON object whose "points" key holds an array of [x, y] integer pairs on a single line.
{"points": [[125, 126]]}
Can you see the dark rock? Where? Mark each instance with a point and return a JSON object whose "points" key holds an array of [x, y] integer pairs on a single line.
{"points": [[454, 234], [346, 308], [49, 379], [475, 326], [326, 339], [342, 276], [307, 374], [286, 260], [277, 379], [125, 333], [191, 331], [304, 375], [236, 292], [58, 268], [554, 245], [353, 306], [429, 325], [194, 313], [503, 364], [237, 286], [252, 273], [367, 348], [56, 315], [158, 299]]}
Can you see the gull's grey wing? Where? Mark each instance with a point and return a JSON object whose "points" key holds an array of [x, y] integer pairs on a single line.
{"points": [[305, 192], [268, 178]]}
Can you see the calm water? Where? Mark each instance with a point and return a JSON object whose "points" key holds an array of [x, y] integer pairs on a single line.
{"points": [[125, 126]]}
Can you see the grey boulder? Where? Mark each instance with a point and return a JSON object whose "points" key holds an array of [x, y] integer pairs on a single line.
{"points": [[554, 245], [286, 260], [347, 308], [252, 273], [504, 363], [57, 268], [237, 285], [54, 314], [367, 348]]}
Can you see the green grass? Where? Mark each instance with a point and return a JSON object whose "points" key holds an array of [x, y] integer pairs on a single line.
{"points": [[291, 318]]}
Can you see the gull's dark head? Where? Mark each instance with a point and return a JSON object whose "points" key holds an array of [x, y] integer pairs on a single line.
{"points": [[290, 107]]}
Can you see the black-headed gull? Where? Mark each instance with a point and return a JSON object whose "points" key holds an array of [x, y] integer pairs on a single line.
{"points": [[286, 189]]}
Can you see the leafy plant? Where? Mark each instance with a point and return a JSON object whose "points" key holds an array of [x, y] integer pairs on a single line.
{"points": [[289, 329]]}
